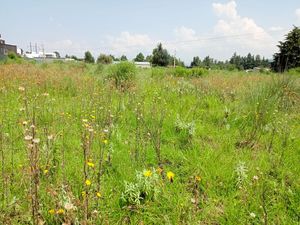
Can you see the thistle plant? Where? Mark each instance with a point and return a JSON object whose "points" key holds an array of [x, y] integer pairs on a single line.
{"points": [[241, 174], [146, 187]]}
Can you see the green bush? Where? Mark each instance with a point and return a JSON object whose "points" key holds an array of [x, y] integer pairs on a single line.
{"points": [[198, 72], [194, 72], [122, 72], [145, 188]]}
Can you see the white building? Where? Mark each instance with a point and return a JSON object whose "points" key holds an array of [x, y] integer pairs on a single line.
{"points": [[143, 64]]}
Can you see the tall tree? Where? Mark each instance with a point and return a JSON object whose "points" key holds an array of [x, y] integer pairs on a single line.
{"points": [[88, 57], [196, 62], [139, 58], [123, 58], [160, 56], [289, 52]]}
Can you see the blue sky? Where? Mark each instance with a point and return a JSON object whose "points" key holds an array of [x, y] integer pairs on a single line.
{"points": [[192, 27]]}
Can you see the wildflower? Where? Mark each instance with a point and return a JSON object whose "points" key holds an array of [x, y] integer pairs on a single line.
{"points": [[255, 178], [28, 138], [36, 140], [147, 173], [105, 141], [159, 170], [90, 164], [50, 137], [83, 194], [198, 178], [170, 176], [25, 123], [98, 194], [51, 211], [21, 88], [69, 206], [60, 211], [88, 182], [46, 171], [252, 214], [105, 130]]}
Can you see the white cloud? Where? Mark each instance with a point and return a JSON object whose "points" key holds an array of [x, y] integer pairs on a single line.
{"points": [[241, 34], [226, 10], [127, 43], [185, 34]]}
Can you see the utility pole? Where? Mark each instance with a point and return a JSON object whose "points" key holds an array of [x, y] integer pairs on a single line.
{"points": [[30, 47], [36, 48], [174, 65]]}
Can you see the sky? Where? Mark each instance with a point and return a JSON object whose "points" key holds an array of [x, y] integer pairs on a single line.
{"points": [[186, 28]]}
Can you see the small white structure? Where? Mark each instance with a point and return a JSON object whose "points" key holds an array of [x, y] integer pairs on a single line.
{"points": [[35, 55], [143, 64]]}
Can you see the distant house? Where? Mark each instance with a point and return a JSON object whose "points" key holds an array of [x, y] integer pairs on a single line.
{"points": [[6, 48], [40, 55], [143, 64]]}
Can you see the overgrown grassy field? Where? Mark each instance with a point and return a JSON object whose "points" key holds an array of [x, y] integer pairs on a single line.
{"points": [[77, 147]]}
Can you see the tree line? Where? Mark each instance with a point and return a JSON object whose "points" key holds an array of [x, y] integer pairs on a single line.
{"points": [[288, 57]]}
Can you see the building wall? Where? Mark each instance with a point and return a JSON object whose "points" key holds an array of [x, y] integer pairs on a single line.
{"points": [[5, 48]]}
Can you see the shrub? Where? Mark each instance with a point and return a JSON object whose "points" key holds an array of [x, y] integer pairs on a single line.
{"points": [[198, 72], [145, 188], [88, 57], [194, 72], [122, 72], [104, 59]]}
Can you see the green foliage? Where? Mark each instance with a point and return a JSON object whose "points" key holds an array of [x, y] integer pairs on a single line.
{"points": [[88, 58], [145, 188], [233, 150], [104, 59], [196, 62], [160, 56], [289, 52], [123, 58], [194, 72], [122, 72], [139, 58]]}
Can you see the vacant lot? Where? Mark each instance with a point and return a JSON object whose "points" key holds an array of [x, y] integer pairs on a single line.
{"points": [[77, 147]]}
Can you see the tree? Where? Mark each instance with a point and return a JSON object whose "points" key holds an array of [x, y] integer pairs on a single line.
{"points": [[148, 58], [104, 59], [88, 58], [57, 55], [123, 58], [160, 56], [178, 62], [288, 56], [139, 58], [207, 62], [196, 62]]}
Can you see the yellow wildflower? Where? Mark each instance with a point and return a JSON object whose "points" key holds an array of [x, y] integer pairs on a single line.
{"points": [[46, 171], [159, 170], [198, 178], [60, 211], [170, 176], [98, 194], [88, 182], [51, 211], [83, 194], [105, 141], [147, 173], [90, 164]]}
